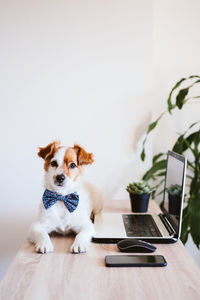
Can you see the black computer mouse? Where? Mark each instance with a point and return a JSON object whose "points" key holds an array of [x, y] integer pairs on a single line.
{"points": [[132, 245]]}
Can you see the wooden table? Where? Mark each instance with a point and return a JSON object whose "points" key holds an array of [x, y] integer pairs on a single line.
{"points": [[62, 275]]}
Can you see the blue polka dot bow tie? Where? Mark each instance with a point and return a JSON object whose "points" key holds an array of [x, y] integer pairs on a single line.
{"points": [[70, 200]]}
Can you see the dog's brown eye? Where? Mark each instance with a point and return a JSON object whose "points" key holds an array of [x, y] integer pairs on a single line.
{"points": [[54, 163], [72, 165]]}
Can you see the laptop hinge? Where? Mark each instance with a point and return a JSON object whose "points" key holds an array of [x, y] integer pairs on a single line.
{"points": [[167, 224]]}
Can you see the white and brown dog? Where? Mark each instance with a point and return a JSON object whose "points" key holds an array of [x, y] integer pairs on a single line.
{"points": [[63, 170]]}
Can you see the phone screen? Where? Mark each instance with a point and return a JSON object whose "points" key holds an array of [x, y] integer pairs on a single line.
{"points": [[135, 260]]}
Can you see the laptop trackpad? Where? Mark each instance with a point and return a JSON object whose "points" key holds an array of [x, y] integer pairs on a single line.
{"points": [[112, 226]]}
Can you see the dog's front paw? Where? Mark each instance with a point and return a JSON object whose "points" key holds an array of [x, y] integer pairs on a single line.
{"points": [[44, 246], [79, 247]]}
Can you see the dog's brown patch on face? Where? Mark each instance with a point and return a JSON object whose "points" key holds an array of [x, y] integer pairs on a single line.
{"points": [[78, 156], [69, 159], [48, 152]]}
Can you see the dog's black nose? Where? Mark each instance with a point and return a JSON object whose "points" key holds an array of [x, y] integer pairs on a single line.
{"points": [[60, 178]]}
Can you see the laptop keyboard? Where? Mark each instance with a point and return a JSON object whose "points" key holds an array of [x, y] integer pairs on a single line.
{"points": [[140, 225]]}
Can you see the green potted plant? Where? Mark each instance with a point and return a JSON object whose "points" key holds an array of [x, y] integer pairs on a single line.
{"points": [[188, 144], [174, 196], [139, 193]]}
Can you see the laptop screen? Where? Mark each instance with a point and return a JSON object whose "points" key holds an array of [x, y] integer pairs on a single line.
{"points": [[174, 189]]}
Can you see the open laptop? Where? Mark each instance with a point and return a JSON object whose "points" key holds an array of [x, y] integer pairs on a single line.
{"points": [[162, 228]]}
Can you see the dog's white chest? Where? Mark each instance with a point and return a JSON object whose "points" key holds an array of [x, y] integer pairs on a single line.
{"points": [[62, 217], [63, 221]]}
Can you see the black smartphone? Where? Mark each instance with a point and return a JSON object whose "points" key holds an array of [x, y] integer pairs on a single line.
{"points": [[135, 261]]}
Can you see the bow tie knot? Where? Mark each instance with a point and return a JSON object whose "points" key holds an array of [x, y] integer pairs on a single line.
{"points": [[70, 200]]}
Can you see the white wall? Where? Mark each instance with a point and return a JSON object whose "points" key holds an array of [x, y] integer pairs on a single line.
{"points": [[92, 72], [176, 52], [75, 71]]}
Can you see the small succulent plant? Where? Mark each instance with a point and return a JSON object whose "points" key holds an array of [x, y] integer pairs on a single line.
{"points": [[140, 187], [174, 190]]}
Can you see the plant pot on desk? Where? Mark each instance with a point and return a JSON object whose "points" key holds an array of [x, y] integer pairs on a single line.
{"points": [[139, 202], [174, 204]]}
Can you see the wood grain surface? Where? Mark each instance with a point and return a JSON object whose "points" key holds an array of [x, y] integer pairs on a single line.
{"points": [[62, 275]]}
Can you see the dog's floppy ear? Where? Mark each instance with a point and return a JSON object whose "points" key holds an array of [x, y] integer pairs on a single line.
{"points": [[83, 158], [48, 151]]}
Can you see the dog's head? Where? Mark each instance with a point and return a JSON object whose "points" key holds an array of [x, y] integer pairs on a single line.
{"points": [[63, 165]]}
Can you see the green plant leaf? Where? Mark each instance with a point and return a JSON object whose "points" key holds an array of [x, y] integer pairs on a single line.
{"points": [[153, 124], [194, 76], [179, 146], [184, 226], [194, 209], [184, 236], [156, 157], [180, 98], [142, 156], [160, 165], [182, 144], [169, 101], [161, 204], [197, 81], [190, 177], [196, 140], [192, 142], [180, 102], [150, 128], [192, 125], [161, 174], [194, 220], [192, 98]]}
